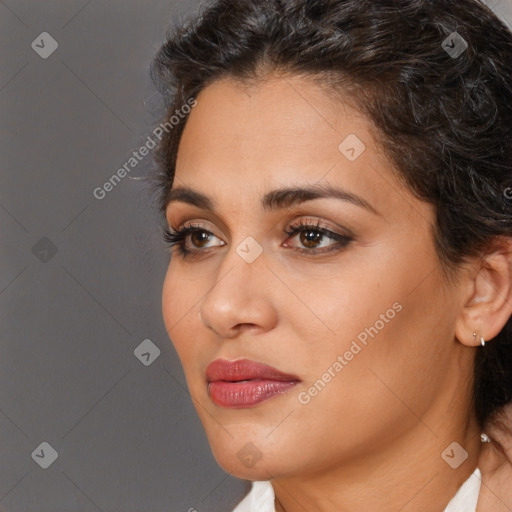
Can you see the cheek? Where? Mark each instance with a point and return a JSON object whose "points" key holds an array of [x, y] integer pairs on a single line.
{"points": [[170, 301], [170, 293], [180, 312], [370, 379], [377, 330]]}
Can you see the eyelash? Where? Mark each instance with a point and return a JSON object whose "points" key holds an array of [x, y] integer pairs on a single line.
{"points": [[177, 237]]}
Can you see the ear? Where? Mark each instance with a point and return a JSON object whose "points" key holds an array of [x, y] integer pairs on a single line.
{"points": [[488, 301]]}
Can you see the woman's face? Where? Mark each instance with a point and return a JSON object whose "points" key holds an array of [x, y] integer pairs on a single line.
{"points": [[361, 320]]}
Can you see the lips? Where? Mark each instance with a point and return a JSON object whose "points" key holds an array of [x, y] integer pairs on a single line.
{"points": [[244, 369], [245, 383]]}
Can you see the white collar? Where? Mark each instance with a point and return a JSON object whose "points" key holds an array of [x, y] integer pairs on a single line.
{"points": [[261, 496], [467, 496]]}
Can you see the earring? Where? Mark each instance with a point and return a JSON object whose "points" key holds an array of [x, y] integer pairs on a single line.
{"points": [[484, 438], [482, 341]]}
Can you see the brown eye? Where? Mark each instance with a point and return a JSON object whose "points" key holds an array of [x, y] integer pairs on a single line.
{"points": [[314, 239], [311, 238], [191, 239], [199, 238]]}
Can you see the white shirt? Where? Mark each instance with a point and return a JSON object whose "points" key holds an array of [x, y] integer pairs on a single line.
{"points": [[261, 496]]}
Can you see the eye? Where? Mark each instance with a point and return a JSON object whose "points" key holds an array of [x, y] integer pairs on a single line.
{"points": [[316, 239], [312, 238], [190, 238]]}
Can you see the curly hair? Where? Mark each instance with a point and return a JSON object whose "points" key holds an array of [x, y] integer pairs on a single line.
{"points": [[443, 119]]}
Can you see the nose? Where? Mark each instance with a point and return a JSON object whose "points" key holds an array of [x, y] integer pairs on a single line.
{"points": [[240, 298]]}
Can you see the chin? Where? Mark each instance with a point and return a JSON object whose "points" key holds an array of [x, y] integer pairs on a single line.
{"points": [[255, 459], [244, 468]]}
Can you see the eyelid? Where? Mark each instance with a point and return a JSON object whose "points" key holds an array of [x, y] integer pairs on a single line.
{"points": [[338, 236], [295, 224], [188, 213], [189, 227], [321, 224], [200, 224], [338, 240]]}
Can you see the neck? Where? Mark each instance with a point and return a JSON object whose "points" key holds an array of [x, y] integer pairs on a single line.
{"points": [[408, 474]]}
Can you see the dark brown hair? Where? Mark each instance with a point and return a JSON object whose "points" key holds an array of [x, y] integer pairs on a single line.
{"points": [[443, 119]]}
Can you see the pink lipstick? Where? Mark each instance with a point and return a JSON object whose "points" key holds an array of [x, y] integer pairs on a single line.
{"points": [[245, 383]]}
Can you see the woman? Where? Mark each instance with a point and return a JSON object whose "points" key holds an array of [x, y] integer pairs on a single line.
{"points": [[340, 220]]}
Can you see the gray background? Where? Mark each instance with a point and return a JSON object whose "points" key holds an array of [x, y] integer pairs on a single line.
{"points": [[81, 278]]}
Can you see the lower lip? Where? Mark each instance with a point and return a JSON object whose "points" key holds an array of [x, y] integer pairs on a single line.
{"points": [[246, 393]]}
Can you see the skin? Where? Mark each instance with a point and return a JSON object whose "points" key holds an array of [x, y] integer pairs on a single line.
{"points": [[374, 435], [496, 465]]}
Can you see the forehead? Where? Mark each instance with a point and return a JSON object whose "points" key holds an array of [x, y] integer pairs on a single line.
{"points": [[287, 110], [243, 140], [276, 122]]}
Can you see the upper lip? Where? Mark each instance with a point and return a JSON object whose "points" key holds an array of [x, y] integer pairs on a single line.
{"points": [[244, 369]]}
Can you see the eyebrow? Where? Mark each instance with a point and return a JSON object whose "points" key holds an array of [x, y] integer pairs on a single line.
{"points": [[275, 199]]}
